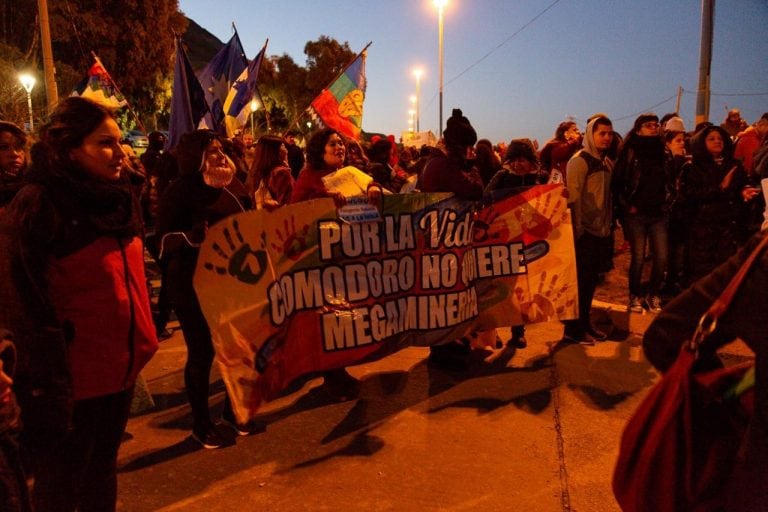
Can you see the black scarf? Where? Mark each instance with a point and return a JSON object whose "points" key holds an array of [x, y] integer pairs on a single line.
{"points": [[107, 206]]}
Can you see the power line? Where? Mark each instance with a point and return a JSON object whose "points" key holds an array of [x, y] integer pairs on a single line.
{"points": [[481, 59], [730, 93], [649, 109]]}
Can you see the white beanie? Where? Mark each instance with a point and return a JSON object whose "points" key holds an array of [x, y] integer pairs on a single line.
{"points": [[674, 124]]}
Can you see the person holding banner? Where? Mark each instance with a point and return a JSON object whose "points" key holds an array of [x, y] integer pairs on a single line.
{"points": [[326, 154], [520, 169], [205, 193], [452, 171]]}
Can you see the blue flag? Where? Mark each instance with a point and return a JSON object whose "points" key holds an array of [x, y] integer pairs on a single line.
{"points": [[218, 76], [238, 101], [187, 98]]}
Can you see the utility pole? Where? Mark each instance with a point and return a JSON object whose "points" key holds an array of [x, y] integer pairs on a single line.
{"points": [[49, 70], [679, 97], [705, 60]]}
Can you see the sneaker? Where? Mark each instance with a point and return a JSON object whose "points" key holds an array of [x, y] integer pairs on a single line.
{"points": [[518, 342], [241, 429], [584, 340], [596, 334], [340, 385], [635, 305], [210, 437], [164, 334], [653, 303]]}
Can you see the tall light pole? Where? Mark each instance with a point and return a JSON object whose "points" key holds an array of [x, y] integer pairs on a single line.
{"points": [[411, 115], [417, 73], [705, 60], [49, 71], [28, 83], [440, 4]]}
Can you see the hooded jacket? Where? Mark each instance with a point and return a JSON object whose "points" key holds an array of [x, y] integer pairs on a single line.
{"points": [[588, 177], [451, 173], [640, 183], [701, 178], [189, 206]]}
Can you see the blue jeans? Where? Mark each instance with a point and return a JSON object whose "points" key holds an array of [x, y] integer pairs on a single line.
{"points": [[637, 230]]}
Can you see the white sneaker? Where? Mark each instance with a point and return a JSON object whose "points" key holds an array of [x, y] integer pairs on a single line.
{"points": [[635, 305], [653, 303]]}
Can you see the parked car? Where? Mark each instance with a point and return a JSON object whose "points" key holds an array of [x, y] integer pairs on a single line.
{"points": [[137, 139]]}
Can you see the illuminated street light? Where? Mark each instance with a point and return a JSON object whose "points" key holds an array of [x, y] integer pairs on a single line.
{"points": [[440, 4], [28, 83], [417, 73], [254, 108]]}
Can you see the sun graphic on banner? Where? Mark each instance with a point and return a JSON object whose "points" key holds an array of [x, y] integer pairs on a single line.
{"points": [[352, 104]]}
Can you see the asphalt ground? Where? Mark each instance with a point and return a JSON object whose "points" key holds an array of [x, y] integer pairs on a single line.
{"points": [[534, 429]]}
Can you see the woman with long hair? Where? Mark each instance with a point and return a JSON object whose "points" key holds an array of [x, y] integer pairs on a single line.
{"points": [[557, 151], [713, 183], [269, 179], [326, 153], [83, 325], [205, 193]]}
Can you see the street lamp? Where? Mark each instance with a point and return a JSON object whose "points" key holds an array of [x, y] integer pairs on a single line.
{"points": [[440, 4], [417, 73], [411, 114], [28, 82], [254, 108]]}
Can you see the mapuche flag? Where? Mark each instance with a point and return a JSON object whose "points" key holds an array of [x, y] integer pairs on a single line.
{"points": [[340, 105], [98, 86]]}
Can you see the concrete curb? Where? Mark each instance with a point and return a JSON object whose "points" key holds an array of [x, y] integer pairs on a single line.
{"points": [[620, 318]]}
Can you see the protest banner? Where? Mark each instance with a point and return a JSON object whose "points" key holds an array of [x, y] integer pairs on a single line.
{"points": [[300, 290]]}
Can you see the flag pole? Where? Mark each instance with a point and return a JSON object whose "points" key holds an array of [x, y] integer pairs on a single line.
{"points": [[295, 120], [113, 84], [261, 98]]}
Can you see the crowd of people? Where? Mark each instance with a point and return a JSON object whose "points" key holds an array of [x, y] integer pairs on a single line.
{"points": [[78, 209]]}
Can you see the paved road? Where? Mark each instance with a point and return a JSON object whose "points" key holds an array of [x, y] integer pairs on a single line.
{"points": [[534, 429]]}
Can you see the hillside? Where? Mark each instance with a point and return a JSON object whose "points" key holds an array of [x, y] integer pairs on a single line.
{"points": [[200, 45]]}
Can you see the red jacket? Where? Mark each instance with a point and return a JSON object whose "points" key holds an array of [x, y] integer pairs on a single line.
{"points": [[749, 140], [100, 293]]}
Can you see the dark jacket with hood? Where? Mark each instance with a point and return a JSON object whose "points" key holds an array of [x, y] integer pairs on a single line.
{"points": [[700, 182], [588, 178], [640, 183], [451, 171], [189, 206]]}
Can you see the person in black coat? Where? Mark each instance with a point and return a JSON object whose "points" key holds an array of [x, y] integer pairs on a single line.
{"points": [[642, 194], [205, 193], [712, 183]]}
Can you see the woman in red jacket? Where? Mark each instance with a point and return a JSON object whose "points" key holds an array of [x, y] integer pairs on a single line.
{"points": [[84, 328]]}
